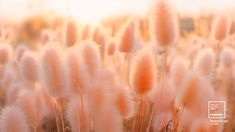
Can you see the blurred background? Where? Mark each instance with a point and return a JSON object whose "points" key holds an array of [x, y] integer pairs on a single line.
{"points": [[89, 10], [30, 17]]}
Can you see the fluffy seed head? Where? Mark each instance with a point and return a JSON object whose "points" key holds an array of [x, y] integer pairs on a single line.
{"points": [[26, 101], [13, 92], [192, 52], [100, 38], [194, 93], [9, 76], [85, 34], [187, 93], [220, 27], [71, 33], [163, 24], [232, 29], [226, 57], [163, 99], [99, 96], [233, 73], [59, 36], [45, 37], [177, 71], [20, 52], [111, 47], [55, 74], [127, 37], [2, 72], [5, 53], [124, 102], [13, 120], [78, 73], [50, 105], [29, 66], [143, 72], [205, 61], [90, 56]]}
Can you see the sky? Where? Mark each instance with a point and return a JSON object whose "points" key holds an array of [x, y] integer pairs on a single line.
{"points": [[93, 10]]}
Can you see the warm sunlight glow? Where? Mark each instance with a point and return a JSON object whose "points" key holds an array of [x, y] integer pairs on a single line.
{"points": [[92, 11]]}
